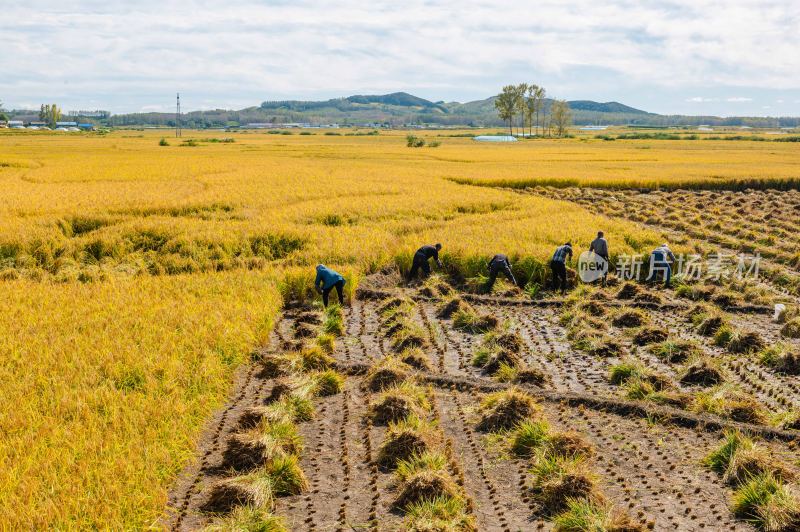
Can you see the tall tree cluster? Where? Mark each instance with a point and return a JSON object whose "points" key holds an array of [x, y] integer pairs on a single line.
{"points": [[50, 114], [527, 101], [561, 117]]}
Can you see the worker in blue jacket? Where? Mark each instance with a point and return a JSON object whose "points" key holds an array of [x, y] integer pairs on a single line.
{"points": [[326, 281]]}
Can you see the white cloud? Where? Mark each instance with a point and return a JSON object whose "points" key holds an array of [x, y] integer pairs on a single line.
{"points": [[738, 99], [700, 99], [239, 50]]}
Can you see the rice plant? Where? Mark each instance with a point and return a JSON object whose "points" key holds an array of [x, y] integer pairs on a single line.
{"points": [[248, 519], [445, 514], [590, 516], [768, 504], [529, 436], [328, 382], [286, 475], [334, 320], [427, 461]]}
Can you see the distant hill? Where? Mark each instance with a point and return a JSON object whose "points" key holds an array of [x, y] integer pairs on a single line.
{"points": [[402, 108], [607, 107], [402, 99]]}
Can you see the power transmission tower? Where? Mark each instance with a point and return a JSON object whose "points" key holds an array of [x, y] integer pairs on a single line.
{"points": [[178, 117]]}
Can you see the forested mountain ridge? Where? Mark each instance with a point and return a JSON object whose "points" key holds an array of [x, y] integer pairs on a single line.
{"points": [[401, 108]]}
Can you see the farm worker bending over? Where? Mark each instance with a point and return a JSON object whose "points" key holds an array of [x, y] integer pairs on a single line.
{"points": [[558, 265], [600, 248], [660, 260], [421, 258], [326, 281], [499, 263]]}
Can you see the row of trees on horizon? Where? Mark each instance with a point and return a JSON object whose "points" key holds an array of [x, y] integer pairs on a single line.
{"points": [[528, 102]]}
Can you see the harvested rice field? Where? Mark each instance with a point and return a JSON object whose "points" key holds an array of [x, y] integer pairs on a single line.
{"points": [[458, 411]]}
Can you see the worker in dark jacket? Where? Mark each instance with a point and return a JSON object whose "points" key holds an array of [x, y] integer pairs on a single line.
{"points": [[599, 247], [499, 263], [421, 258], [326, 281], [558, 265]]}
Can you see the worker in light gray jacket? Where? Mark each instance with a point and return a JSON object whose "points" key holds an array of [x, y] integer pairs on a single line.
{"points": [[661, 260], [599, 247]]}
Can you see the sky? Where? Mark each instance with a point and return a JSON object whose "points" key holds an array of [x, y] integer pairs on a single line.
{"points": [[699, 57]]}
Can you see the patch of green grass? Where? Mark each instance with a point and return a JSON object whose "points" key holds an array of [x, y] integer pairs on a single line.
{"points": [[301, 408], [675, 351], [506, 373], [504, 410], [589, 516], [441, 514], [469, 321], [767, 503], [720, 457], [326, 342], [328, 382], [638, 389], [729, 402], [279, 438], [334, 320], [626, 370], [406, 438], [313, 358], [248, 519], [409, 335], [426, 461], [287, 476], [558, 480], [791, 329], [723, 336], [770, 355], [481, 356], [529, 436]]}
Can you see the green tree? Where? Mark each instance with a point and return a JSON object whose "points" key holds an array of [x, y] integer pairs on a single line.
{"points": [[538, 103], [519, 103], [50, 114], [561, 116], [530, 106], [506, 105]]}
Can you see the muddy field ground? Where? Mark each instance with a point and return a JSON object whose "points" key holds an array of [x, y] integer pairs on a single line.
{"points": [[645, 453]]}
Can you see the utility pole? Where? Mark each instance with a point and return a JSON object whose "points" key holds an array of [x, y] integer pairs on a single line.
{"points": [[178, 117]]}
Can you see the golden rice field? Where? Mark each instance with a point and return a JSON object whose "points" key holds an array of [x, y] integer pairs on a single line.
{"points": [[137, 277]]}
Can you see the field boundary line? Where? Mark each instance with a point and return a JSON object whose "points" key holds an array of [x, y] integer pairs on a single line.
{"points": [[664, 414], [370, 293]]}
